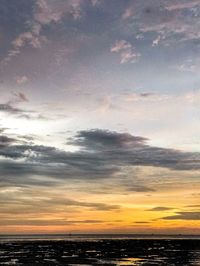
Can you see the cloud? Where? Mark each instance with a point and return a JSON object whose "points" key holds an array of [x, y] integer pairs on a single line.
{"points": [[101, 154], [97, 139], [33, 39], [177, 5], [156, 41], [2, 130], [105, 104], [95, 2], [95, 206], [11, 108], [45, 12], [184, 216], [120, 45], [25, 200], [21, 80], [8, 108], [189, 65], [160, 209], [47, 222], [11, 53], [53, 10], [141, 222], [126, 51], [193, 206], [144, 96], [139, 188], [5, 141], [20, 97], [172, 21], [75, 203], [129, 56]]}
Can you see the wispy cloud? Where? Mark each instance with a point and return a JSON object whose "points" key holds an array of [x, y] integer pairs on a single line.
{"points": [[126, 51], [165, 18], [193, 206], [178, 5], [45, 12], [21, 80], [20, 97], [47, 222], [12, 107], [144, 96], [183, 216], [161, 208], [31, 38], [141, 222], [8, 108], [53, 11]]}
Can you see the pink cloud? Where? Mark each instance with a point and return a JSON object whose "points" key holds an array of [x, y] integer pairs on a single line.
{"points": [[126, 51]]}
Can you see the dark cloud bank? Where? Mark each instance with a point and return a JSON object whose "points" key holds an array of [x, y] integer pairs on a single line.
{"points": [[160, 208], [184, 216], [102, 154]]}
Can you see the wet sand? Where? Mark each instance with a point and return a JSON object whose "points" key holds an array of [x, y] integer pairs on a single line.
{"points": [[101, 252]]}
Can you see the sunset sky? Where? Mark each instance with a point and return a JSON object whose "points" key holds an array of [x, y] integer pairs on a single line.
{"points": [[100, 116]]}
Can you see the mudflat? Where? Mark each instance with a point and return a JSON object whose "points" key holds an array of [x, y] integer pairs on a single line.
{"points": [[101, 252]]}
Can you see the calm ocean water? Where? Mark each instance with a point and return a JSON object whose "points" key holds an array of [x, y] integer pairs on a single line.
{"points": [[99, 250]]}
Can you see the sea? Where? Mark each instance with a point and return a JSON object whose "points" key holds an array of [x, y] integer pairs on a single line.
{"points": [[101, 249]]}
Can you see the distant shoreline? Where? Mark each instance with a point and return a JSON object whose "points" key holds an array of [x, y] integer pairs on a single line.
{"points": [[71, 236]]}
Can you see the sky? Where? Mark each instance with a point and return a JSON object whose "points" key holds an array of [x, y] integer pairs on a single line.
{"points": [[99, 116]]}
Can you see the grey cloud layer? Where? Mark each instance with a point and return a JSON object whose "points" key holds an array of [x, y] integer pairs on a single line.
{"points": [[183, 216], [101, 154], [47, 203], [9, 108], [161, 209], [47, 222]]}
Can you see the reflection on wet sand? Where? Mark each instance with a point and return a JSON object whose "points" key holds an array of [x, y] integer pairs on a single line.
{"points": [[101, 252]]}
